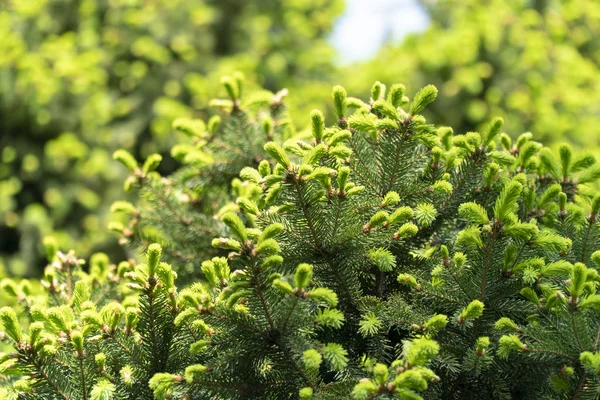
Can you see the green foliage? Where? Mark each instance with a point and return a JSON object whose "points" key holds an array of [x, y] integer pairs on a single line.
{"points": [[81, 78], [346, 274], [534, 63], [166, 214]]}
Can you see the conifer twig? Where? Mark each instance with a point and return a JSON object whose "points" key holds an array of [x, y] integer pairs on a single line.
{"points": [[83, 383], [575, 330]]}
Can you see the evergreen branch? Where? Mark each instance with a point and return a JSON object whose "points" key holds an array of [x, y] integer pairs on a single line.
{"points": [[580, 386], [55, 297], [227, 146], [456, 187], [263, 302], [366, 181], [394, 168], [358, 171], [152, 318], [295, 365], [306, 214], [237, 321], [184, 221], [459, 284], [103, 294], [408, 165], [378, 282], [54, 385], [585, 242], [240, 388], [416, 192], [40, 371], [289, 314], [336, 223], [191, 331], [282, 347], [439, 296], [83, 383], [58, 361], [574, 325], [418, 157], [514, 264], [121, 345], [486, 266], [556, 353], [173, 253]]}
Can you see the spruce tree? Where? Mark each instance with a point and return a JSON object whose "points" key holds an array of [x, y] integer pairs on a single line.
{"points": [[378, 257], [188, 204]]}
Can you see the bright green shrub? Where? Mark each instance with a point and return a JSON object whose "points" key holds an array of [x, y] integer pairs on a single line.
{"points": [[79, 79], [376, 257]]}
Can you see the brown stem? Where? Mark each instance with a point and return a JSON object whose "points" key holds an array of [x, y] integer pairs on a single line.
{"points": [[580, 386]]}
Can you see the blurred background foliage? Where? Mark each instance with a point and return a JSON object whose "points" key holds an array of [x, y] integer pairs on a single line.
{"points": [[80, 78], [536, 63]]}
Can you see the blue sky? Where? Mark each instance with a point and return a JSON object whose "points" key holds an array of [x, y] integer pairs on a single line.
{"points": [[366, 24]]}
